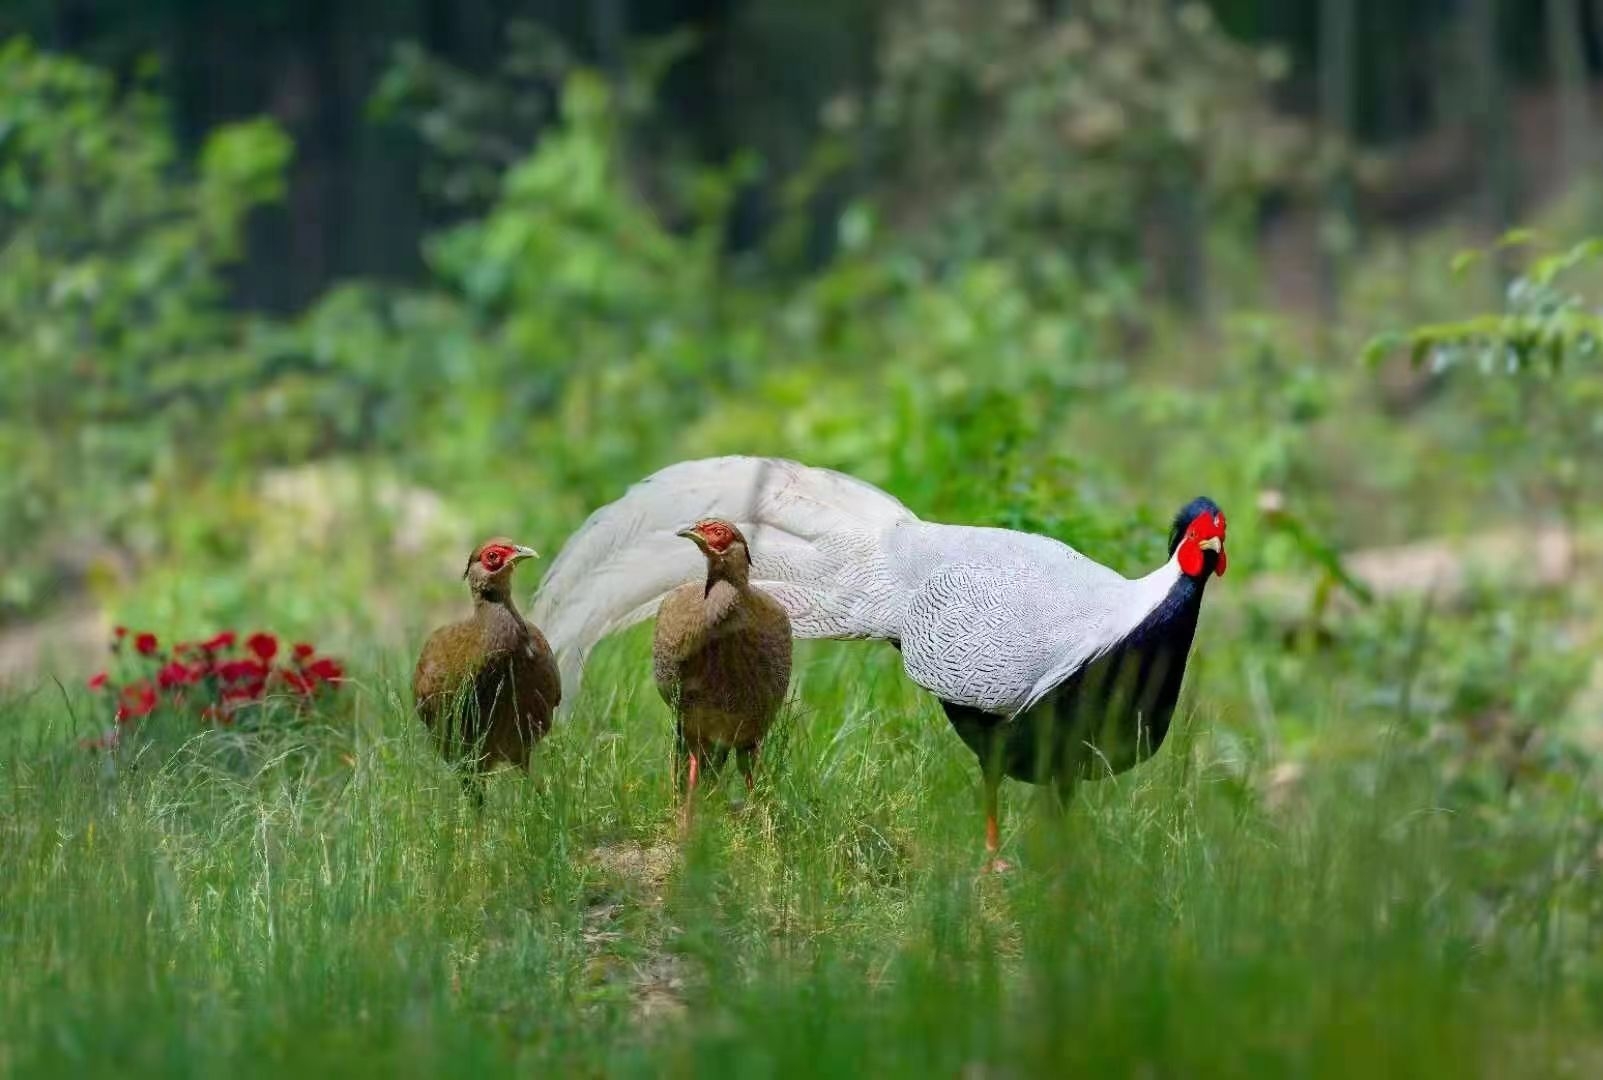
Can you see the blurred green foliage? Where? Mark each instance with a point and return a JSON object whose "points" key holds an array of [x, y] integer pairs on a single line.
{"points": [[1534, 368], [1078, 136], [474, 125], [577, 332], [119, 361]]}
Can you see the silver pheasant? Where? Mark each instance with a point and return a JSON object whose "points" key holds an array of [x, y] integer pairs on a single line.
{"points": [[1050, 666]]}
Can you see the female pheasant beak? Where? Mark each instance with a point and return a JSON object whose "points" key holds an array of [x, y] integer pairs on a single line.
{"points": [[714, 536], [520, 553]]}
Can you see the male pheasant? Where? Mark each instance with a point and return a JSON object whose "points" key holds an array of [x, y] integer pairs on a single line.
{"points": [[1050, 666]]}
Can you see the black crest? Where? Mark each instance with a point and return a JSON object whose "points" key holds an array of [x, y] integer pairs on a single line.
{"points": [[1188, 513]]}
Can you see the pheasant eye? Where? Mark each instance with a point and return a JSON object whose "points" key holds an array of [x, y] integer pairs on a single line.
{"points": [[492, 559]]}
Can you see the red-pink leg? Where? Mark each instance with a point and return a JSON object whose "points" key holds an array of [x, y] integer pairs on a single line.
{"points": [[993, 831], [692, 772]]}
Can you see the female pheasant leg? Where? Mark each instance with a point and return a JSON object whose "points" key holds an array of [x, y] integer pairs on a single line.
{"points": [[747, 761], [692, 771]]}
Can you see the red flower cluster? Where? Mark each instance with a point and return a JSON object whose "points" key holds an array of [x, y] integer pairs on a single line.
{"points": [[214, 678]]}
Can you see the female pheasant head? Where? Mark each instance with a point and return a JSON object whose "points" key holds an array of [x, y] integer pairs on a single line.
{"points": [[1197, 539], [728, 554], [489, 570]]}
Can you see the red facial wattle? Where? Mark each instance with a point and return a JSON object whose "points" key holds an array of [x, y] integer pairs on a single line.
{"points": [[1190, 556], [1205, 527]]}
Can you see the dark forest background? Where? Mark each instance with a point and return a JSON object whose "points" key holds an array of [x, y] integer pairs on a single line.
{"points": [[1477, 106]]}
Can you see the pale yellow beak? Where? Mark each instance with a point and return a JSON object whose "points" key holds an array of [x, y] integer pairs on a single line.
{"points": [[1213, 543], [694, 535], [521, 553]]}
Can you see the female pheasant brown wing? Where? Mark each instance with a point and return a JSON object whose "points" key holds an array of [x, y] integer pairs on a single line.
{"points": [[769, 627], [441, 677], [538, 670], [678, 635]]}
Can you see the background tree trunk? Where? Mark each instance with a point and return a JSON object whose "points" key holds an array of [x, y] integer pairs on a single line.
{"points": [[1489, 127], [1566, 51], [1339, 225]]}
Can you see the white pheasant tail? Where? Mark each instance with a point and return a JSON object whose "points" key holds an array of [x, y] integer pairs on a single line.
{"points": [[988, 618]]}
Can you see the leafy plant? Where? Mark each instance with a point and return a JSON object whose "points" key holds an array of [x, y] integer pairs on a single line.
{"points": [[1537, 362], [476, 125], [1011, 127], [117, 350]]}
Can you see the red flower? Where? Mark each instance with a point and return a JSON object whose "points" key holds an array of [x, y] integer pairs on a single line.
{"points": [[119, 632], [136, 701], [242, 670], [325, 669], [249, 691], [229, 673], [174, 674], [265, 646]]}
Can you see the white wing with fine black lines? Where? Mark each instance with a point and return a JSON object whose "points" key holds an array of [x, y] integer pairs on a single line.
{"points": [[985, 617], [997, 636]]}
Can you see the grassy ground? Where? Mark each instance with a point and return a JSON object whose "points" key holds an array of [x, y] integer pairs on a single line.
{"points": [[325, 900]]}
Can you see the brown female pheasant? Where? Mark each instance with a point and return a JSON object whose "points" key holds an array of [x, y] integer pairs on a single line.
{"points": [[486, 686], [721, 656]]}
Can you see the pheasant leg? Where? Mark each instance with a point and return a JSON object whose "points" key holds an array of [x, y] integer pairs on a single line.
{"points": [[747, 762], [692, 774], [994, 864]]}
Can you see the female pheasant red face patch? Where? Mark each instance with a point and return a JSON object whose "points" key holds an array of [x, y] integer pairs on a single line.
{"points": [[716, 535], [495, 554]]}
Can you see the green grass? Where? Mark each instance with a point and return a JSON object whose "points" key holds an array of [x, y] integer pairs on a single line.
{"points": [[325, 900]]}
